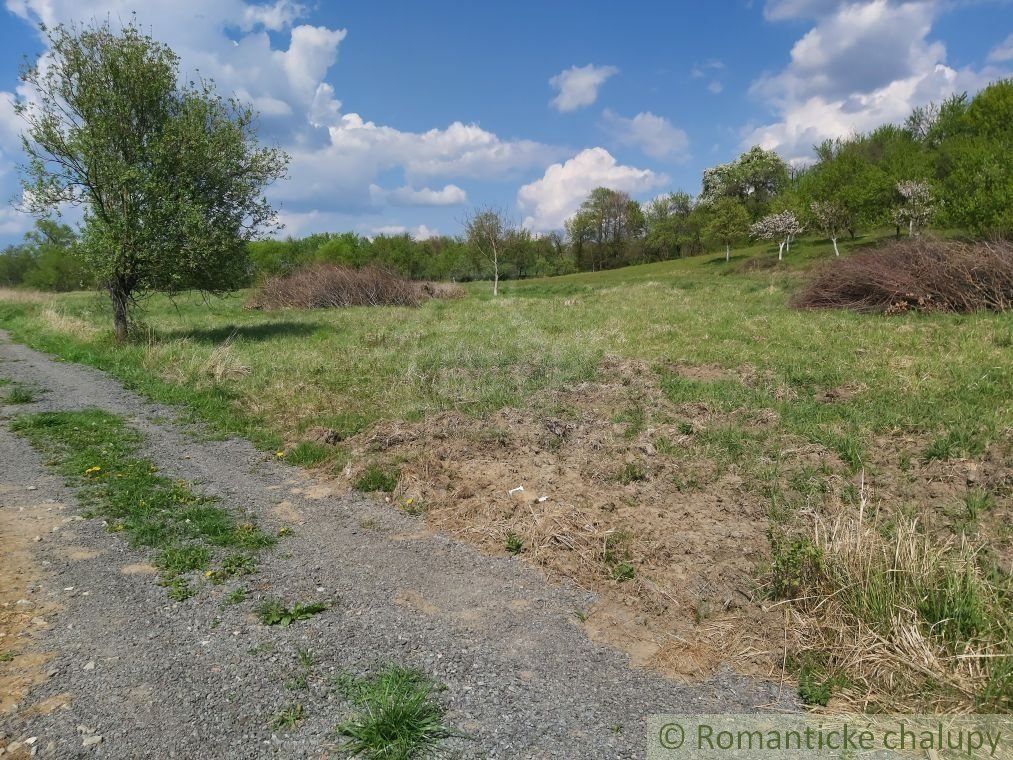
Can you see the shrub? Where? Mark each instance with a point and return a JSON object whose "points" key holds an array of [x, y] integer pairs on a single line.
{"points": [[326, 285], [919, 274]]}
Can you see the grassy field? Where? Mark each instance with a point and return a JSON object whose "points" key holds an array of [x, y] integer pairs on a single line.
{"points": [[889, 403]]}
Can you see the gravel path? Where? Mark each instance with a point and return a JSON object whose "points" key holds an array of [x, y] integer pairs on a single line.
{"points": [[193, 679]]}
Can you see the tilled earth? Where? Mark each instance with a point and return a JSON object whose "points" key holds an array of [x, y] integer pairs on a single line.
{"points": [[107, 665]]}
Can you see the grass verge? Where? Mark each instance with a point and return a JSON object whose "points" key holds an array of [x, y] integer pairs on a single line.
{"points": [[98, 453]]}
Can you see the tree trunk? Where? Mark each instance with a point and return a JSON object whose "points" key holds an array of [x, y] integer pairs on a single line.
{"points": [[495, 275], [121, 301], [780, 250], [836, 252], [728, 253], [910, 227]]}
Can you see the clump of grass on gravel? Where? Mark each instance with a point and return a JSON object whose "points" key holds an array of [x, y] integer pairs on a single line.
{"points": [[97, 452], [20, 394], [236, 596], [398, 715], [289, 717], [274, 611]]}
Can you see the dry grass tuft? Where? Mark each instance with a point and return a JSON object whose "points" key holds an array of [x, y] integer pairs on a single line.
{"points": [[13, 295], [920, 274], [914, 624], [65, 323], [184, 363], [329, 285]]}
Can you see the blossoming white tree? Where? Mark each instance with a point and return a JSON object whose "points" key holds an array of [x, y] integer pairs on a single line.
{"points": [[918, 207], [831, 218], [782, 227]]}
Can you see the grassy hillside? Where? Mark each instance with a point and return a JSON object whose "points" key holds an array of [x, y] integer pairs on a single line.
{"points": [[704, 382]]}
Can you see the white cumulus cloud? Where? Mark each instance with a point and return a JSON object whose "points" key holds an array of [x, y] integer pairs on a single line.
{"points": [[421, 232], [578, 86], [264, 54], [549, 201], [862, 64], [1003, 51], [448, 195], [654, 135]]}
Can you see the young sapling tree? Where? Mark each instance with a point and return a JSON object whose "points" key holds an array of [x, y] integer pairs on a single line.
{"points": [[728, 222], [831, 218]]}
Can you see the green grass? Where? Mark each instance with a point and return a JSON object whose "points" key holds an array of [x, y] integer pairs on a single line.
{"points": [[98, 453], [307, 454], [514, 544], [289, 717], [375, 478], [19, 394], [236, 596], [273, 611], [346, 368], [398, 715]]}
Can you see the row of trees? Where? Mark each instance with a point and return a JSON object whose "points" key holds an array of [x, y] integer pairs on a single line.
{"points": [[171, 180], [47, 259]]}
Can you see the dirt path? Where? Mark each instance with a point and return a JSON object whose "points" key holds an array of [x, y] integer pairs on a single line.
{"points": [[104, 653]]}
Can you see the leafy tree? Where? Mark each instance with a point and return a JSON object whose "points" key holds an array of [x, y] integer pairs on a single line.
{"points": [[606, 229], [171, 177], [673, 227], [754, 178], [46, 260], [727, 222], [15, 263], [972, 161]]}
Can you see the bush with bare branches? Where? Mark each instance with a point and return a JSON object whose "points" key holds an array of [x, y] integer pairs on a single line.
{"points": [[329, 285], [918, 274]]}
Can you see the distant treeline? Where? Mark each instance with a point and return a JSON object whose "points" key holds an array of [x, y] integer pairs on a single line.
{"points": [[437, 258], [45, 260], [948, 165]]}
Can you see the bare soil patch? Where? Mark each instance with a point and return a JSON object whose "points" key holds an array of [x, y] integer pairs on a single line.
{"points": [[612, 486], [20, 613], [948, 497], [608, 484]]}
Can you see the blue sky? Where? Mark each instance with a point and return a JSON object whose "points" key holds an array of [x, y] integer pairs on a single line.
{"points": [[406, 115]]}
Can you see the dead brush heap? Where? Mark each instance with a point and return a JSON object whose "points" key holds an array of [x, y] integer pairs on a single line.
{"points": [[321, 286], [920, 274]]}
